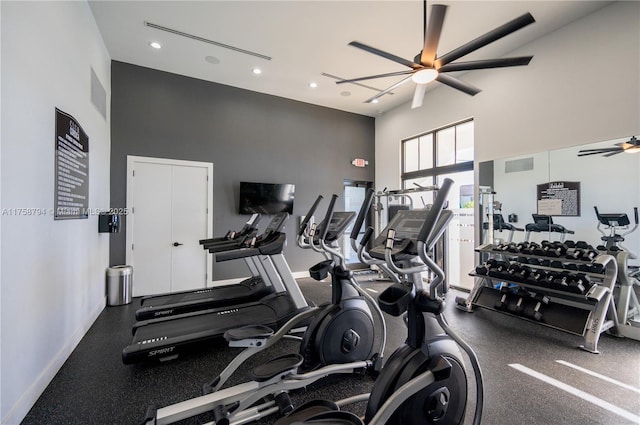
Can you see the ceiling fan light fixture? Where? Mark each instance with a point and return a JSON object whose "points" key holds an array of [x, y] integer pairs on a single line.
{"points": [[424, 76], [634, 149]]}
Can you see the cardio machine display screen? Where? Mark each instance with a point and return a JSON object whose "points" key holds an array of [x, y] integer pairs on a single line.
{"points": [[408, 228]]}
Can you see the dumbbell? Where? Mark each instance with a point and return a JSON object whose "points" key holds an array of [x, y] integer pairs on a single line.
{"points": [[582, 245], [571, 266], [554, 249], [533, 261], [503, 300], [570, 244], [540, 301], [523, 274], [556, 264], [590, 254], [518, 306], [551, 277], [580, 283], [482, 269], [531, 248], [501, 247], [561, 281], [499, 269], [537, 277], [576, 254]]}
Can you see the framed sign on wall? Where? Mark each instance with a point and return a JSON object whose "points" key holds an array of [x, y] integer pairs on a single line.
{"points": [[71, 191], [559, 199]]}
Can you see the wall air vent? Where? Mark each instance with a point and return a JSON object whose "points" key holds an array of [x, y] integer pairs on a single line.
{"points": [[205, 40], [517, 165], [98, 95]]}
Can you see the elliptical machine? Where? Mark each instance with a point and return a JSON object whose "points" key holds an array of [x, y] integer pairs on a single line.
{"points": [[423, 382], [340, 339]]}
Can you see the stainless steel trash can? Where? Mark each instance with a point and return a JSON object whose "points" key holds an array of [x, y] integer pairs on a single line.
{"points": [[119, 285]]}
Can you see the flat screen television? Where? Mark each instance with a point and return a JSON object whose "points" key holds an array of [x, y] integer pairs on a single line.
{"points": [[266, 198]]}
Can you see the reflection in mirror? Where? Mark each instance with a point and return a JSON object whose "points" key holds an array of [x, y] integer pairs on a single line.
{"points": [[610, 183]]}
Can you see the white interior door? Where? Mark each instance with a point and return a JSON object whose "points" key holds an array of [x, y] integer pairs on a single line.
{"points": [[189, 268], [152, 229], [170, 210]]}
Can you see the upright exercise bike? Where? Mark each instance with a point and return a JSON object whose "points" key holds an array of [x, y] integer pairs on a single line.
{"points": [[424, 381], [627, 307]]}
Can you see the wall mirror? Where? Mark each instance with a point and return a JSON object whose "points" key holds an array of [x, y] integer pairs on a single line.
{"points": [[612, 183]]}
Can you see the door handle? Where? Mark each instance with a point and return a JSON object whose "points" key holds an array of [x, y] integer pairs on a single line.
{"points": [[177, 244]]}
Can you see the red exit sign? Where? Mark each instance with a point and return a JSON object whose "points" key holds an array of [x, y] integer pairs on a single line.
{"points": [[359, 162]]}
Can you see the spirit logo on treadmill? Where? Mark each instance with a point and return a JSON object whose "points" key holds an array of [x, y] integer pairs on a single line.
{"points": [[233, 310], [161, 351]]}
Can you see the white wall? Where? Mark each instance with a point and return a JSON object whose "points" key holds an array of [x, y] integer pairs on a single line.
{"points": [[582, 86], [52, 275]]}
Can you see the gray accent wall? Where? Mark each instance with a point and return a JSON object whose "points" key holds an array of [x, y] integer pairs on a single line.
{"points": [[248, 136]]}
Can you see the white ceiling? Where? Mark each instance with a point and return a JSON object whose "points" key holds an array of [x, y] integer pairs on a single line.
{"points": [[308, 38]]}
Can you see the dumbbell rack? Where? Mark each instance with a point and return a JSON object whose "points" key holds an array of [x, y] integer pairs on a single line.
{"points": [[578, 314]]}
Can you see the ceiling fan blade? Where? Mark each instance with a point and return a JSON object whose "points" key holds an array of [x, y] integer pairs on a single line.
{"points": [[385, 55], [600, 150], [589, 153], [458, 84], [432, 34], [418, 95], [388, 89], [486, 64], [370, 77], [614, 153], [485, 39]]}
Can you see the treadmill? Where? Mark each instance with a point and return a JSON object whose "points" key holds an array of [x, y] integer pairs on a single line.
{"points": [[499, 225], [545, 224], [249, 229], [250, 289], [166, 337]]}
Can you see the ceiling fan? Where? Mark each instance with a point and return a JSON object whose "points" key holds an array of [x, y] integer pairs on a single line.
{"points": [[427, 66], [631, 146]]}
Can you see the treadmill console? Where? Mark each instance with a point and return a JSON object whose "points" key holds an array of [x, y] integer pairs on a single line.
{"points": [[543, 220], [276, 224]]}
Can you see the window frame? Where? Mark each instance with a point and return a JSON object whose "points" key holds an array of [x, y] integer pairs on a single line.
{"points": [[436, 170]]}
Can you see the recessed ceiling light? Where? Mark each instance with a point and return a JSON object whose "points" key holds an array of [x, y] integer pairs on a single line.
{"points": [[313, 84], [374, 101], [212, 60], [256, 71], [345, 93], [155, 45]]}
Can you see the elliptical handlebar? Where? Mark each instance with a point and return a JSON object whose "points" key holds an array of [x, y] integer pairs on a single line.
{"points": [[307, 217], [368, 199], [436, 209], [328, 217]]}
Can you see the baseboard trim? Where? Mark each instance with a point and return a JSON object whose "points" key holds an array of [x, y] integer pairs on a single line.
{"points": [[19, 410]]}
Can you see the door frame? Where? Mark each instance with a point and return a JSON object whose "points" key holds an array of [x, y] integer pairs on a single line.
{"points": [[368, 218], [131, 161]]}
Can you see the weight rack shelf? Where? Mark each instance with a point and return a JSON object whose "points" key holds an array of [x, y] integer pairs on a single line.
{"points": [[588, 315]]}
